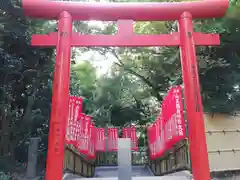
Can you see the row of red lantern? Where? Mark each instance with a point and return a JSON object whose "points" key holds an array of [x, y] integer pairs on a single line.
{"points": [[169, 127], [131, 132], [112, 134], [128, 132], [80, 130], [84, 136]]}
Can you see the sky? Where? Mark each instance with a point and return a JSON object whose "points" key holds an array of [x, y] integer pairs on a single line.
{"points": [[102, 63]]}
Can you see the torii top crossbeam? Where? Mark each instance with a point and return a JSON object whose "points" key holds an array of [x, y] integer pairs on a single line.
{"points": [[134, 11]]}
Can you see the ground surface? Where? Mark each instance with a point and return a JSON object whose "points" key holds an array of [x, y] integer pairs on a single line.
{"points": [[138, 173]]}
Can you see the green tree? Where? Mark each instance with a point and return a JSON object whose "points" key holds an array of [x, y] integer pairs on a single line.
{"points": [[25, 88]]}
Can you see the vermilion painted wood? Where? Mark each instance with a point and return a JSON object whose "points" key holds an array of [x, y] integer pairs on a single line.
{"points": [[163, 11], [60, 100], [123, 40], [197, 138]]}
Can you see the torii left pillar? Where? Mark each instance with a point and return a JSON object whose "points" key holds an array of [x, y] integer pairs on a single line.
{"points": [[59, 113], [60, 99]]}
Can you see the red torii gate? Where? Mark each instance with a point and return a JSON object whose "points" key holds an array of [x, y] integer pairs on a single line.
{"points": [[125, 14]]}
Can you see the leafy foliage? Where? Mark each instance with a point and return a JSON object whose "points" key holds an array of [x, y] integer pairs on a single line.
{"points": [[25, 88]]}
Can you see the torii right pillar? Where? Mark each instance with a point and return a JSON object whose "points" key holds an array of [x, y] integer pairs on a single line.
{"points": [[192, 96]]}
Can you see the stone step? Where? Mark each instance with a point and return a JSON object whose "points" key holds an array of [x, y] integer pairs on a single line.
{"points": [[113, 171], [138, 173]]}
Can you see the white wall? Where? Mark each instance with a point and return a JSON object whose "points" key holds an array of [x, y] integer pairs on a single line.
{"points": [[223, 141]]}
